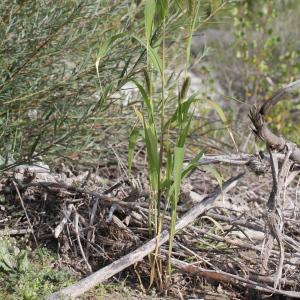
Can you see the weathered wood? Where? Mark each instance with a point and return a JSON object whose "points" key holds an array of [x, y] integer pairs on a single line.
{"points": [[15, 231], [257, 117], [103, 274], [234, 279]]}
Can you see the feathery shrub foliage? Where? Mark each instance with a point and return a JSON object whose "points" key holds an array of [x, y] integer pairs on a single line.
{"points": [[49, 90]]}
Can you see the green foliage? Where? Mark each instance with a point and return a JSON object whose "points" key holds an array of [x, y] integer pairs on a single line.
{"points": [[270, 56], [49, 91], [28, 279]]}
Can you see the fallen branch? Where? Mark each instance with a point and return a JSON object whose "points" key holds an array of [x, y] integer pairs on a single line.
{"points": [[257, 163], [15, 231], [103, 274], [221, 276], [232, 159]]}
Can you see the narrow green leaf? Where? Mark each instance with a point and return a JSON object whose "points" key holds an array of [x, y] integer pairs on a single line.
{"points": [[131, 145], [212, 170], [150, 129], [34, 145], [192, 165], [152, 154], [177, 172], [107, 44], [147, 101], [169, 163], [149, 13], [162, 7], [218, 109], [168, 181], [148, 82], [139, 115], [194, 15], [105, 47], [150, 139], [166, 185], [179, 4], [124, 71], [181, 113], [183, 134], [154, 57]]}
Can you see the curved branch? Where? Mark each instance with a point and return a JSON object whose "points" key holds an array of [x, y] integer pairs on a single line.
{"points": [[279, 95], [257, 117]]}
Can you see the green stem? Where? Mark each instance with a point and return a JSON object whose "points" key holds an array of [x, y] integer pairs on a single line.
{"points": [[162, 113]]}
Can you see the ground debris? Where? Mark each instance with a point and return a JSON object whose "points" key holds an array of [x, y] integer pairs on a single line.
{"points": [[93, 224]]}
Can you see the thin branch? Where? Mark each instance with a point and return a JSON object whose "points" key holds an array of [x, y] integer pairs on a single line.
{"points": [[25, 211], [221, 276]]}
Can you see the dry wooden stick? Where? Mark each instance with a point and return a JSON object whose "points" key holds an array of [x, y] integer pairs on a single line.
{"points": [[67, 213], [15, 231], [76, 228], [25, 211], [221, 276], [91, 230], [274, 218], [103, 274]]}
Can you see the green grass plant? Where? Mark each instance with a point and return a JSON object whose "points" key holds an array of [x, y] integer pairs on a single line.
{"points": [[165, 154]]}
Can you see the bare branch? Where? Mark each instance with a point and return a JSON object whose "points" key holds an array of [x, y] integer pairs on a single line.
{"points": [[257, 117]]}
